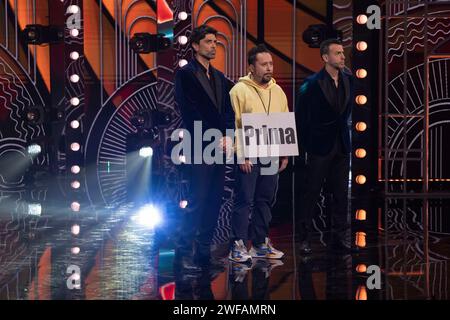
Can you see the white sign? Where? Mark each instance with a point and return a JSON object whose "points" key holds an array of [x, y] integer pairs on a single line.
{"points": [[273, 135]]}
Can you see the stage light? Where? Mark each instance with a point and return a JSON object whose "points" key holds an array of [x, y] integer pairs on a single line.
{"points": [[75, 250], [75, 101], [146, 152], [75, 146], [361, 214], [74, 32], [361, 19], [75, 169], [146, 42], [360, 153], [315, 34], [34, 149], [360, 239], [74, 55], [361, 268], [182, 15], [361, 73], [183, 204], [74, 78], [37, 34], [148, 216], [360, 179], [73, 9], [361, 46], [75, 184], [361, 126], [361, 99], [75, 124], [34, 209], [75, 206], [361, 293], [182, 40], [182, 63], [75, 229]]}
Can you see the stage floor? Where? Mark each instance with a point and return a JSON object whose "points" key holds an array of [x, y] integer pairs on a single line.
{"points": [[107, 252]]}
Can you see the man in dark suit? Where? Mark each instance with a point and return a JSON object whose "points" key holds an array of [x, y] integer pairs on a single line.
{"points": [[323, 110], [202, 95]]}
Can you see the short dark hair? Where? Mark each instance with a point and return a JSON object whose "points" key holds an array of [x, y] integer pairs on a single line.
{"points": [[200, 32], [251, 56], [325, 45]]}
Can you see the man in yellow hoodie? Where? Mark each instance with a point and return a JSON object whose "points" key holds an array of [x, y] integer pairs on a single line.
{"points": [[255, 93]]}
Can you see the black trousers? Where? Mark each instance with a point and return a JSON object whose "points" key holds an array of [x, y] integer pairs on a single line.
{"points": [[331, 172], [258, 191], [199, 219]]}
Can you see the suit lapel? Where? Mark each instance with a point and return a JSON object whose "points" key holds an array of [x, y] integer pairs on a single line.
{"points": [[218, 84], [325, 92], [204, 81]]}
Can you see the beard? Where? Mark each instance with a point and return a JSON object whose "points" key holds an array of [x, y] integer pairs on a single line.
{"points": [[209, 55], [266, 78]]}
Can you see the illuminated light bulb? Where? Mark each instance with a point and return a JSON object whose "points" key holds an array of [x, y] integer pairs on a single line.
{"points": [[361, 73], [74, 78], [182, 63], [360, 153], [360, 179], [182, 15], [75, 184], [361, 126], [75, 124], [74, 32], [361, 46], [75, 229], [183, 204], [361, 293], [361, 99], [361, 19], [361, 214], [75, 101], [75, 169], [75, 146], [182, 40], [75, 206], [361, 268], [74, 55], [360, 239]]}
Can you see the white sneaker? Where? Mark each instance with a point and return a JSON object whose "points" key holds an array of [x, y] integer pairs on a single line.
{"points": [[266, 250], [239, 252]]}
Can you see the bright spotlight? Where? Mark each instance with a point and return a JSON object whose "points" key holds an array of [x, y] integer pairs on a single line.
{"points": [[34, 209], [146, 152], [148, 216], [34, 149]]}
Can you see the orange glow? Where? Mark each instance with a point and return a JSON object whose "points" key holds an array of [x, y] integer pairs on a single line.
{"points": [[361, 268], [360, 179], [361, 293], [164, 12], [361, 214], [360, 240], [361, 46], [361, 19], [361, 99], [360, 153], [361, 126], [361, 73]]}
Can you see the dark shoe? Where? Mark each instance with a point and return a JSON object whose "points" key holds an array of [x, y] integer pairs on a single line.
{"points": [[305, 247]]}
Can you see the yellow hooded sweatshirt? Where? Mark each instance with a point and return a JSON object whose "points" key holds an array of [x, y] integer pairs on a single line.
{"points": [[249, 97]]}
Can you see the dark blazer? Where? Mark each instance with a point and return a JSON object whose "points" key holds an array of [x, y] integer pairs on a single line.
{"points": [[318, 121], [196, 100]]}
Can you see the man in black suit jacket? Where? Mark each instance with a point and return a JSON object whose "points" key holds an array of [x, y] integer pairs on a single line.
{"points": [[202, 95], [323, 110]]}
